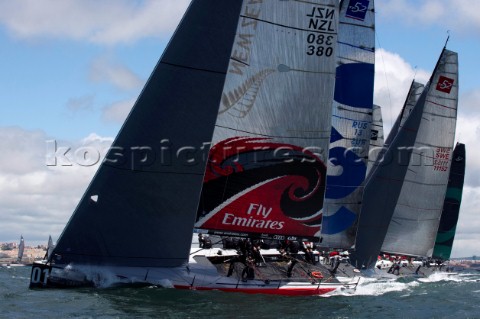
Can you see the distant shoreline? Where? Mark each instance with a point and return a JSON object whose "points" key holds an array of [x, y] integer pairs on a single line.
{"points": [[30, 254]]}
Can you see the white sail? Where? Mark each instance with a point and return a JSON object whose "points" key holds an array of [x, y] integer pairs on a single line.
{"points": [[377, 139], [414, 93], [266, 170], [415, 221], [351, 123]]}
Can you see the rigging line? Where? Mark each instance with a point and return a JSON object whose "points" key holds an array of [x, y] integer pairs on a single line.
{"points": [[218, 242]]}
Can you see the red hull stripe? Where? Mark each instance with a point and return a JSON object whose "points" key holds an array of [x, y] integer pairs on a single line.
{"points": [[270, 291]]}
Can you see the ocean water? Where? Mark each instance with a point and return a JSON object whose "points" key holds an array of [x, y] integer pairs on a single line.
{"points": [[439, 296]]}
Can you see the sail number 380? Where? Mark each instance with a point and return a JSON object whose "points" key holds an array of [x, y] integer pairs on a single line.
{"points": [[319, 44]]}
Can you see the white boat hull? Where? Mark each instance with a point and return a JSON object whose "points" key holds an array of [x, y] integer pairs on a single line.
{"points": [[195, 275]]}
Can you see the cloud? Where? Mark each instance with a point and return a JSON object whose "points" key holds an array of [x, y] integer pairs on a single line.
{"points": [[103, 69], [467, 237], [393, 77], [37, 199], [102, 22], [83, 103], [457, 15], [118, 111]]}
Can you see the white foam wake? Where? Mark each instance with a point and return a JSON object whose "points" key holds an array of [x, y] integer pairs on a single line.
{"points": [[376, 287]]}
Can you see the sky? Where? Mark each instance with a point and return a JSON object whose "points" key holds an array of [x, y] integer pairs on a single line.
{"points": [[71, 70]]}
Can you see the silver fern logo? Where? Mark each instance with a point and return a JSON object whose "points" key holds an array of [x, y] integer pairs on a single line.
{"points": [[240, 100]]}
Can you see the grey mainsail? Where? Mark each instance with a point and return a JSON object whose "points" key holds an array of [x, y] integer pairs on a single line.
{"points": [[266, 171], [146, 192], [378, 151], [400, 195], [351, 123], [451, 205], [413, 95]]}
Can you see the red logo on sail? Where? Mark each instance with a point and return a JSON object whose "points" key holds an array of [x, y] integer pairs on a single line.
{"points": [[254, 185], [445, 84]]}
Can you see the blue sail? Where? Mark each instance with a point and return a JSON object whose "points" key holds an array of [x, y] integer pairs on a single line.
{"points": [[351, 123]]}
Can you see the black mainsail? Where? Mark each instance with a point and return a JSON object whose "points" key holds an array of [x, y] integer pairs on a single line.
{"points": [[145, 193]]}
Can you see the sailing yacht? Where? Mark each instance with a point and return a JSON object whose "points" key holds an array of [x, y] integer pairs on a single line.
{"points": [[229, 137], [404, 194]]}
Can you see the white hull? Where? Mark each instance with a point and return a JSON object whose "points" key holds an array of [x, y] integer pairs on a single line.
{"points": [[198, 274]]}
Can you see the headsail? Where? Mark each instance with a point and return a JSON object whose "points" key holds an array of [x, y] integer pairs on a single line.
{"points": [[399, 184], [351, 123], [451, 205], [266, 170], [146, 191]]}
